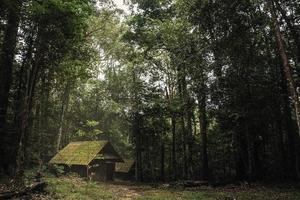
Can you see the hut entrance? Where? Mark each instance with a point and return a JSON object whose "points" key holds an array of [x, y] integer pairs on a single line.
{"points": [[110, 168]]}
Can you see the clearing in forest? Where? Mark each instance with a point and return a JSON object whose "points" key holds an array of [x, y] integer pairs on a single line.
{"points": [[73, 188]]}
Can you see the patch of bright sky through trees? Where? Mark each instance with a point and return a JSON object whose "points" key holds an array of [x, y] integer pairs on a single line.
{"points": [[120, 4]]}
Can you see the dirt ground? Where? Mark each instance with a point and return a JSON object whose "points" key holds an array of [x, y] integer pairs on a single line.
{"points": [[73, 188]]}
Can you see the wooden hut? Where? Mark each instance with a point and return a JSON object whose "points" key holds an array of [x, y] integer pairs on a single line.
{"points": [[93, 159], [125, 170]]}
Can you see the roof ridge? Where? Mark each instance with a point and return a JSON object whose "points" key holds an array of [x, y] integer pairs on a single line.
{"points": [[89, 141]]}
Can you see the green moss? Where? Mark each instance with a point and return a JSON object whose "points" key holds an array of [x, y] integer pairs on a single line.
{"points": [[78, 153]]}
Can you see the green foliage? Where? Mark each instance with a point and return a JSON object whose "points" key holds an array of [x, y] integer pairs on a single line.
{"points": [[180, 86], [75, 188], [59, 169]]}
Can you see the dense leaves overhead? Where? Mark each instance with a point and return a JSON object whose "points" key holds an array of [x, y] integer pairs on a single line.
{"points": [[189, 89]]}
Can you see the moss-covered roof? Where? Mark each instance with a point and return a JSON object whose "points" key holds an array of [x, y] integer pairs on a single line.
{"points": [[124, 167], [79, 153]]}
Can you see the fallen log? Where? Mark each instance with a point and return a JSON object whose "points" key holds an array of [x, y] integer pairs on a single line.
{"points": [[33, 188], [188, 184], [195, 183]]}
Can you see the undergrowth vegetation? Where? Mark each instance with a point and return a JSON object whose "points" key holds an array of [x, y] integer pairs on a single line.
{"points": [[71, 188]]}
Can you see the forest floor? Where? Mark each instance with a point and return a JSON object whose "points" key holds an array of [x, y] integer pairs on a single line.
{"points": [[74, 188], [71, 188]]}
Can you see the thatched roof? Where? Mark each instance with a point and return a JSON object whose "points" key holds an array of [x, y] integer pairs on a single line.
{"points": [[125, 167], [82, 153]]}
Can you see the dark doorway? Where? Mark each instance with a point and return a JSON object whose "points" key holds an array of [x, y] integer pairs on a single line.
{"points": [[110, 167]]}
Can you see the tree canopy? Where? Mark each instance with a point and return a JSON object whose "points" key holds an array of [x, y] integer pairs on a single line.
{"points": [[189, 89]]}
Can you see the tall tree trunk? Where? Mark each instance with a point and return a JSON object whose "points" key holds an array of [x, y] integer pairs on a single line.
{"points": [[250, 154], [25, 119], [184, 135], [292, 136], [174, 162], [45, 111], [39, 134], [64, 108], [138, 150], [162, 161], [291, 86], [173, 130], [23, 101], [136, 126], [6, 68], [294, 32], [190, 139], [285, 63], [203, 132], [184, 149], [34, 62]]}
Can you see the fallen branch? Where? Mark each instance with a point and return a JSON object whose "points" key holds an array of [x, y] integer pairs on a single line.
{"points": [[33, 188], [189, 183]]}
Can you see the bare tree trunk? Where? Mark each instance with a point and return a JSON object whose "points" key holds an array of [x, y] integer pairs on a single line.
{"points": [[44, 111], [285, 63], [60, 130], [33, 62], [184, 135], [138, 150], [39, 132], [6, 69], [184, 149], [203, 132], [162, 162], [291, 86], [25, 118], [173, 128], [250, 163], [136, 126], [64, 108], [174, 163], [294, 32], [190, 150], [292, 136]]}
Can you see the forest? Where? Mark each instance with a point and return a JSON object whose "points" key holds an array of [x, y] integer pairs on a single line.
{"points": [[191, 90]]}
